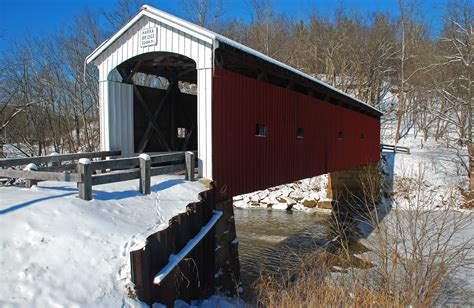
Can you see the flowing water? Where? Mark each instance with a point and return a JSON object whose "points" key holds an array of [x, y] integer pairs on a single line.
{"points": [[275, 241]]}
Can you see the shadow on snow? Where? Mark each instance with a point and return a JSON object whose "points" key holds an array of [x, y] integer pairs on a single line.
{"points": [[97, 194]]}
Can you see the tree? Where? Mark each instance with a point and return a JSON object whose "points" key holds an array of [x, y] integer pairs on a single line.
{"points": [[205, 13]]}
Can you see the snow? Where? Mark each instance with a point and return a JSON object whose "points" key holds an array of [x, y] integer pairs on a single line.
{"points": [[59, 250], [144, 156], [439, 167], [84, 161], [175, 259], [31, 167]]}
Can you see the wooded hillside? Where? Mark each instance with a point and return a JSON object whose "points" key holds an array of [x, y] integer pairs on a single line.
{"points": [[420, 78]]}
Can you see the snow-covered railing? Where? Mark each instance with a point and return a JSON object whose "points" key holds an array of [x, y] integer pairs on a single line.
{"points": [[174, 260], [48, 168], [175, 162], [394, 148], [55, 159], [87, 173]]}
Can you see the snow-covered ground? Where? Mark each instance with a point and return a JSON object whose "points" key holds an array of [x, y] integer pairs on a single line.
{"points": [[60, 251]]}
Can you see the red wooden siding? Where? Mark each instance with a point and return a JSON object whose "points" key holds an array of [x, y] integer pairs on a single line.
{"points": [[244, 163]]}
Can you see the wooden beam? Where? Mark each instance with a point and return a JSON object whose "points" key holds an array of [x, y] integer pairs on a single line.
{"points": [[145, 174], [85, 186], [190, 166], [151, 123], [167, 169], [167, 157], [117, 176], [10, 162], [120, 163], [133, 71], [188, 137], [262, 76], [146, 136]]}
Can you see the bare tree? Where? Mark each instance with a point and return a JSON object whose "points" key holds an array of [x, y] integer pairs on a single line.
{"points": [[205, 13]]}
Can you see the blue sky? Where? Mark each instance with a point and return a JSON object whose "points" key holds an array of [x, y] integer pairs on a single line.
{"points": [[21, 17]]}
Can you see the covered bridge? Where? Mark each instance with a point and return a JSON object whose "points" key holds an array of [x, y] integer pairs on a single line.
{"points": [[169, 85]]}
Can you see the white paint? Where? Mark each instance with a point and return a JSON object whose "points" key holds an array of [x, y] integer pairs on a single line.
{"points": [[116, 117], [175, 259], [116, 99], [148, 37]]}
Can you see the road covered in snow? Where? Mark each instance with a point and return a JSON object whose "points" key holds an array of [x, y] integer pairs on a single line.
{"points": [[59, 250]]}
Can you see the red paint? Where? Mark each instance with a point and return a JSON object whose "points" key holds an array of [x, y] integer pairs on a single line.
{"points": [[244, 163]]}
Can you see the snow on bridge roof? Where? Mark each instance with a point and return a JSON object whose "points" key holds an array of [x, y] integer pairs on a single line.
{"points": [[214, 38], [59, 250]]}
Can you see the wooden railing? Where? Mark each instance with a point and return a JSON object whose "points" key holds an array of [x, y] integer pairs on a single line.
{"points": [[87, 173], [394, 148], [55, 159]]}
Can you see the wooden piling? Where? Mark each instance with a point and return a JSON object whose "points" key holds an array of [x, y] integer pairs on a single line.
{"points": [[85, 187], [190, 165], [145, 174]]}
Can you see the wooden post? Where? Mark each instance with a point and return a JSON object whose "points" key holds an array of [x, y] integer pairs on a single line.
{"points": [[30, 167], [190, 165], [145, 174], [55, 163], [85, 187]]}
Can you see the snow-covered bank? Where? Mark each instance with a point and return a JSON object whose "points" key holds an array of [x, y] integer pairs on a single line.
{"points": [[58, 250], [306, 195], [441, 169]]}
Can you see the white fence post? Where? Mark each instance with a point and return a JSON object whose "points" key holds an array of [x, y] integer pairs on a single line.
{"points": [[145, 174], [85, 187], [189, 166]]}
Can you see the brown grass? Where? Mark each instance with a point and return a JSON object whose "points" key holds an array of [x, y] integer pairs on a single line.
{"points": [[414, 254], [316, 284]]}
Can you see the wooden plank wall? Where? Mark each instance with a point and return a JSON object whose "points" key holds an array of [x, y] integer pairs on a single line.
{"points": [[244, 162], [194, 277]]}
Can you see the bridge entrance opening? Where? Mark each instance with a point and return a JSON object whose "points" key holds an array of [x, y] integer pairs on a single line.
{"points": [[164, 101]]}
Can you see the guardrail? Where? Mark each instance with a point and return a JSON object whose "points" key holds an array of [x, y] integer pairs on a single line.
{"points": [[88, 173], [394, 148]]}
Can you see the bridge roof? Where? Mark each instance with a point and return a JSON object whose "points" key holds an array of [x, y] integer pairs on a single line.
{"points": [[215, 38]]}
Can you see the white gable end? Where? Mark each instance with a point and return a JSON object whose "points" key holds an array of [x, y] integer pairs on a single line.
{"points": [[171, 35], [168, 39]]}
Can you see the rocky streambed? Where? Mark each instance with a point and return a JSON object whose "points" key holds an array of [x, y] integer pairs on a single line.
{"points": [[306, 195]]}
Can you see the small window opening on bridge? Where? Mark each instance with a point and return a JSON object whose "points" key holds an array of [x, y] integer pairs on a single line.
{"points": [[181, 132], [299, 133], [260, 130], [340, 135], [362, 136]]}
